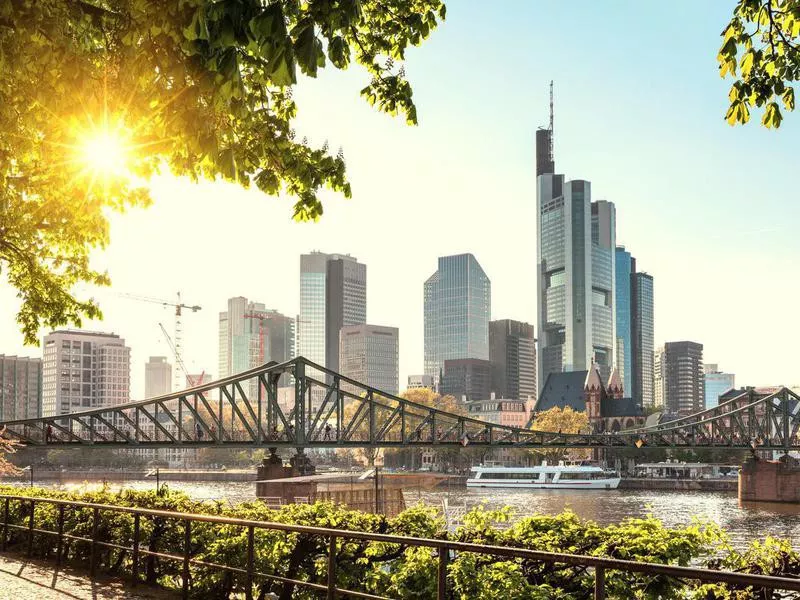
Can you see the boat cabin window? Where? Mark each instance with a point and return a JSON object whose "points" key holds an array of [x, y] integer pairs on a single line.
{"points": [[583, 476], [509, 475]]}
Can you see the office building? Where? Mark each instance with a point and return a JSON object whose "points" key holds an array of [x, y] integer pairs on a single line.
{"points": [[83, 370], [251, 335], [643, 339], [457, 305], [20, 387], [512, 353], [467, 378], [625, 267], [679, 379], [634, 309], [420, 381], [716, 384], [370, 355], [333, 294], [575, 279], [157, 377]]}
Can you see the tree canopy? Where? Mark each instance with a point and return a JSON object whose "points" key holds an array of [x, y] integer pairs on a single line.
{"points": [[761, 51], [97, 95]]}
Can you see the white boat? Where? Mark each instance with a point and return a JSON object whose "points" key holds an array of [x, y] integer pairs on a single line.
{"points": [[555, 477]]}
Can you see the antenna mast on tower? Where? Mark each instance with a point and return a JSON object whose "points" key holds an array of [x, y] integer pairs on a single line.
{"points": [[552, 160]]}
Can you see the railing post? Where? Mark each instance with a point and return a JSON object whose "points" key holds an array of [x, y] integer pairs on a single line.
{"points": [[248, 590], [30, 528], [95, 527], [60, 546], [441, 587], [599, 583], [5, 526], [135, 556], [187, 546], [332, 568]]}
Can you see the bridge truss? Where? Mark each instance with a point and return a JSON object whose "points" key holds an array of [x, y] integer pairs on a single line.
{"points": [[324, 409]]}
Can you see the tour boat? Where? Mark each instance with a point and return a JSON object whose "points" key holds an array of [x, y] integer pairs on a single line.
{"points": [[555, 477]]}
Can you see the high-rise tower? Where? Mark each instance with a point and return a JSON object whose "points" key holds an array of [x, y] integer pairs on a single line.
{"points": [[545, 163]]}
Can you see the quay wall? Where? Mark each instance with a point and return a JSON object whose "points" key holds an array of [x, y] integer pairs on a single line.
{"points": [[135, 475], [679, 485]]}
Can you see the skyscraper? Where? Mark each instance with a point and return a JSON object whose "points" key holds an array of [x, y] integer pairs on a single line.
{"points": [[333, 294], [83, 370], [545, 163], [643, 339], [157, 377], [251, 334], [679, 378], [625, 267], [512, 352], [370, 354], [575, 278], [457, 308], [20, 387], [634, 308]]}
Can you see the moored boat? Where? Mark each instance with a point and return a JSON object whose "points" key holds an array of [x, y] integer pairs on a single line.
{"points": [[561, 477]]}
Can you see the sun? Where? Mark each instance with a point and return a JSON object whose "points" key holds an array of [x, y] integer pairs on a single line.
{"points": [[104, 151]]}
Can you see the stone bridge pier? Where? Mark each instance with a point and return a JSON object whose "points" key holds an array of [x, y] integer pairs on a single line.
{"points": [[770, 480]]}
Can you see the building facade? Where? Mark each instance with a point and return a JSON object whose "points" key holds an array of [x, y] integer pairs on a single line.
{"points": [[716, 384], [467, 378], [680, 383], [643, 340], [575, 277], [157, 377], [502, 411], [457, 309], [333, 294], [512, 354], [20, 387], [370, 355], [420, 381], [83, 370], [251, 335]]}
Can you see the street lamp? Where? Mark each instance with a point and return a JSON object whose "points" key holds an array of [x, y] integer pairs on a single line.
{"points": [[29, 468]]}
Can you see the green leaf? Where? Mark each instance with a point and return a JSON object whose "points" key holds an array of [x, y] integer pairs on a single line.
{"points": [[788, 98]]}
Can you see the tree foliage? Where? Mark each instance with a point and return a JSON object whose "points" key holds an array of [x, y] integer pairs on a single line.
{"points": [[392, 570], [200, 87], [761, 51], [558, 420]]}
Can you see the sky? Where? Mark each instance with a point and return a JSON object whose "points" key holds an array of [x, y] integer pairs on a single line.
{"points": [[709, 210]]}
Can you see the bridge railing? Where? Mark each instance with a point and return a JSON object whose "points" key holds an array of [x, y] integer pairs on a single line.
{"points": [[20, 512]]}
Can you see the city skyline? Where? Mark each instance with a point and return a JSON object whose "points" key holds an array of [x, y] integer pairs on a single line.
{"points": [[669, 214]]}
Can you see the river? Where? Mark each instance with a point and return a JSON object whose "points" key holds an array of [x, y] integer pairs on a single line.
{"points": [[743, 522]]}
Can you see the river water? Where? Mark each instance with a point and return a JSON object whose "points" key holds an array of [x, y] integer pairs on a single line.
{"points": [[743, 522]]}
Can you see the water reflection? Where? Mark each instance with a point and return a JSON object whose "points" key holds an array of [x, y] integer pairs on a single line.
{"points": [[744, 522]]}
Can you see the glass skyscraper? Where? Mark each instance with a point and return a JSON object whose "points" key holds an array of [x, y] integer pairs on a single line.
{"points": [[643, 339], [716, 384], [575, 279], [625, 267], [333, 294], [458, 302]]}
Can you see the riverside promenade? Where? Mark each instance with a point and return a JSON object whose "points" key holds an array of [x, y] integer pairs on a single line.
{"points": [[22, 578]]}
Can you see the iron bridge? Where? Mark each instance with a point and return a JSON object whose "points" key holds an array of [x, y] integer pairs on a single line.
{"points": [[324, 409]]}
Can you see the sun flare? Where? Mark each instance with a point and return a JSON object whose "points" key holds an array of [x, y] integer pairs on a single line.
{"points": [[104, 152]]}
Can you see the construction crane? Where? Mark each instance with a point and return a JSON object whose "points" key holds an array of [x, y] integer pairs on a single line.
{"points": [[178, 306], [190, 380]]}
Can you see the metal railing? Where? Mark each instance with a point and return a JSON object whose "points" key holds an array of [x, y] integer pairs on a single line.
{"points": [[330, 590]]}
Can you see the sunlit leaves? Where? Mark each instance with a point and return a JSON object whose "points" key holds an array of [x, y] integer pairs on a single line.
{"points": [[205, 88], [769, 33]]}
